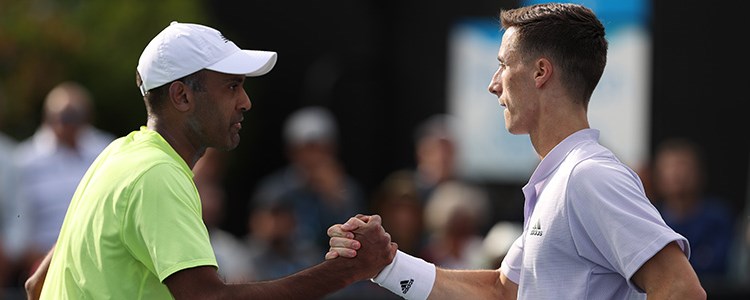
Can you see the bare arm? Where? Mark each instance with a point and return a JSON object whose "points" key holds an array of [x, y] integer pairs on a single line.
{"points": [[669, 275], [472, 284], [35, 282], [312, 283], [449, 284]]}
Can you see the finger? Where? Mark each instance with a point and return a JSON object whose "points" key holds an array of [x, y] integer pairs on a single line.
{"points": [[336, 242], [352, 224], [336, 231], [341, 252], [331, 254], [375, 219], [374, 224]]}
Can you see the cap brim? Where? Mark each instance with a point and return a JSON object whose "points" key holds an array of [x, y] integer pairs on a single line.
{"points": [[247, 62]]}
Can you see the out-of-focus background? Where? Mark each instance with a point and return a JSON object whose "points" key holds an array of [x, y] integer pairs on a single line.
{"points": [[383, 77]]}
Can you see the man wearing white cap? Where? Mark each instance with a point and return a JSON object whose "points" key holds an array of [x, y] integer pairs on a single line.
{"points": [[134, 229]]}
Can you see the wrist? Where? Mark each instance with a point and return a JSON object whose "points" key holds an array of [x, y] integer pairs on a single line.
{"points": [[407, 276]]}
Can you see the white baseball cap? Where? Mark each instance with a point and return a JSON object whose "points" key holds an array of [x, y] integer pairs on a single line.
{"points": [[310, 124], [183, 48]]}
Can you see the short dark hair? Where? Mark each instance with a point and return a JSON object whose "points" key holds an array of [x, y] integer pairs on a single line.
{"points": [[156, 97], [569, 34]]}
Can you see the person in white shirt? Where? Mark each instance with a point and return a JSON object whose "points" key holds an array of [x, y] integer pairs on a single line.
{"points": [[50, 164], [590, 232]]}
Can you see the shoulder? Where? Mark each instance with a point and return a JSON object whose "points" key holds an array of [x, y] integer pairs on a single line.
{"points": [[599, 169], [164, 174], [24, 150], [143, 164], [601, 179]]}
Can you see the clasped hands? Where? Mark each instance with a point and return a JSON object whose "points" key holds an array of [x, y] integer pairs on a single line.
{"points": [[362, 238]]}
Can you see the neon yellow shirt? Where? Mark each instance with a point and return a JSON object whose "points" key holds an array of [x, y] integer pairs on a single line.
{"points": [[134, 220]]}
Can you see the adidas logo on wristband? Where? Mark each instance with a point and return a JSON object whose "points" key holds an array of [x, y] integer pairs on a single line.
{"points": [[406, 285], [400, 277]]}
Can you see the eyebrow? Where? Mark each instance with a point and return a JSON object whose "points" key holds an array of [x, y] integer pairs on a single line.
{"points": [[237, 79]]}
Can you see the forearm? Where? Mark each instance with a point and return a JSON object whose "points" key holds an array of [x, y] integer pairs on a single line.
{"points": [[472, 284], [312, 283]]}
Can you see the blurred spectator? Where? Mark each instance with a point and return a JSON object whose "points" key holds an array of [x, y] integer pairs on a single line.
{"points": [[435, 153], [231, 253], [7, 208], [703, 219], [274, 250], [498, 241], [397, 201], [50, 165], [454, 217], [314, 183]]}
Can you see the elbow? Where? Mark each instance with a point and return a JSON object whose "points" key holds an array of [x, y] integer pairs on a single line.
{"points": [[678, 290], [691, 291]]}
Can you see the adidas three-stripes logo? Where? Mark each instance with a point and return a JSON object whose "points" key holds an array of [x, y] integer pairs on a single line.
{"points": [[406, 285]]}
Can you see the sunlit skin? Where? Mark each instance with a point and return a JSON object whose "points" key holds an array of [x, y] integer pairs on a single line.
{"points": [[536, 101], [218, 111], [201, 119], [511, 86]]}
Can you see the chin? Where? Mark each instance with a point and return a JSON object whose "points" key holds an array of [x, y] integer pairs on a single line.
{"points": [[514, 131], [232, 143], [233, 146], [227, 146]]}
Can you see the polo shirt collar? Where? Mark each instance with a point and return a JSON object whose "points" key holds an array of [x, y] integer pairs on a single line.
{"points": [[551, 162]]}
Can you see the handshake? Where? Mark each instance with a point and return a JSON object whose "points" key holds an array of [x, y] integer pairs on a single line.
{"points": [[363, 242], [345, 238]]}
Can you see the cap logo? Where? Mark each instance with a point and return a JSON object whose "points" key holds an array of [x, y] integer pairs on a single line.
{"points": [[226, 40]]}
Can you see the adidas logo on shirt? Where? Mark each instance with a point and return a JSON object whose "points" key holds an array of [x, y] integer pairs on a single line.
{"points": [[536, 229], [406, 285]]}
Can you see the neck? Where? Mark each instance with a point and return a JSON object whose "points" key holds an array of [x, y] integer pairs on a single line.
{"points": [[175, 136], [555, 125]]}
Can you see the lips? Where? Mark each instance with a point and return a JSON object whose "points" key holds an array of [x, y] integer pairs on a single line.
{"points": [[237, 125]]}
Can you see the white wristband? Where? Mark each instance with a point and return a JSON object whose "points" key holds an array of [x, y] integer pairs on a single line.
{"points": [[407, 276]]}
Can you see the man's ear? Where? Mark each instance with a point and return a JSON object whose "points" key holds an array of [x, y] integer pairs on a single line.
{"points": [[542, 71], [179, 96]]}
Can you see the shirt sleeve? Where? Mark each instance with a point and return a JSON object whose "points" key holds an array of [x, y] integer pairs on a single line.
{"points": [[613, 224], [164, 227], [513, 261]]}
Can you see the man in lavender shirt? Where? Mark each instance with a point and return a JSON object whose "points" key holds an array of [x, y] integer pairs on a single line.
{"points": [[589, 230]]}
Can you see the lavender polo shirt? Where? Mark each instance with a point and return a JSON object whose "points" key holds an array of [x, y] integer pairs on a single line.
{"points": [[588, 226]]}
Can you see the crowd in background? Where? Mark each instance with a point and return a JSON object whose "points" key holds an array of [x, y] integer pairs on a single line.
{"points": [[428, 209]]}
